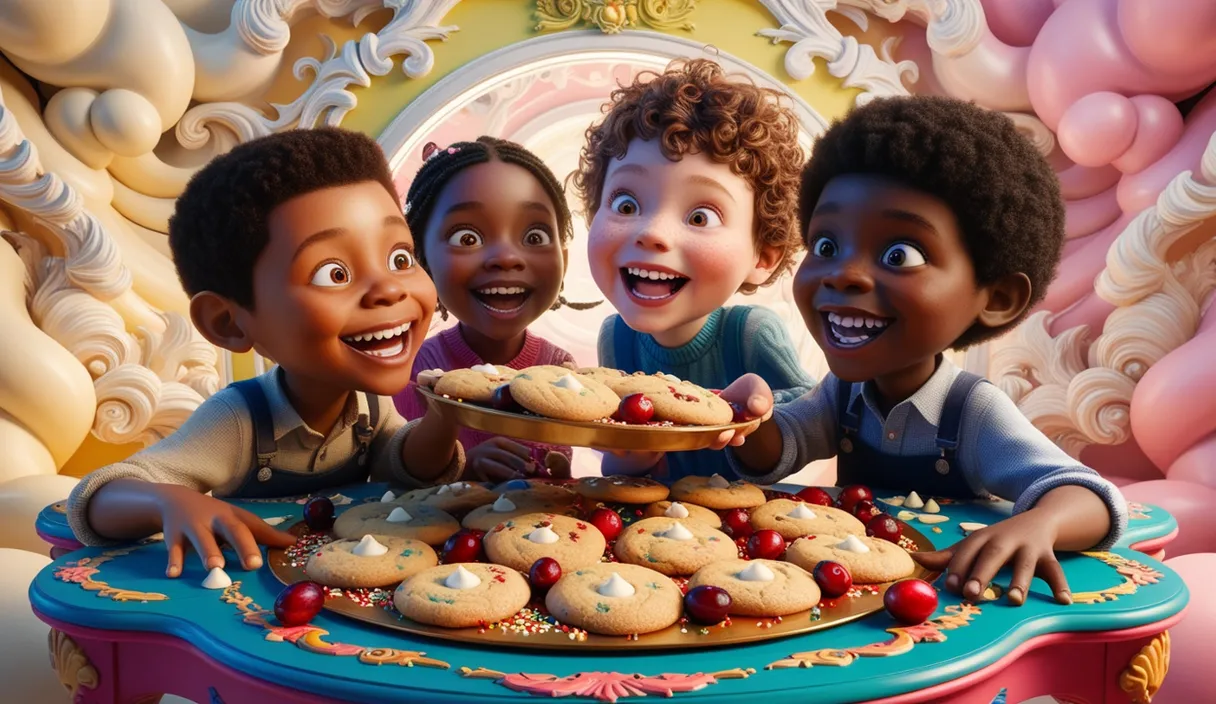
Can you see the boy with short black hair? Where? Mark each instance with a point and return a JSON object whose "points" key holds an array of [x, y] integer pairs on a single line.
{"points": [[293, 245]]}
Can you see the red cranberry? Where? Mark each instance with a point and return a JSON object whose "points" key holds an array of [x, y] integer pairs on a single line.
{"points": [[707, 604], [765, 545], [502, 399], [833, 579], [884, 527], [738, 522], [911, 601], [636, 409], [544, 573], [607, 521], [464, 546], [815, 495], [319, 513], [850, 495], [299, 603], [865, 510]]}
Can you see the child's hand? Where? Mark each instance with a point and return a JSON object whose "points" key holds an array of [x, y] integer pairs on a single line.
{"points": [[752, 394], [1025, 540], [629, 463], [558, 465], [499, 459], [188, 516]]}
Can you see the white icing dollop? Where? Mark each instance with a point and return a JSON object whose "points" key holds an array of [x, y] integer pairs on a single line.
{"points": [[801, 511], [676, 510], [719, 482], [914, 501], [387, 497], [217, 579], [502, 504], [677, 531], [932, 507], [670, 377], [569, 382], [399, 515], [616, 586], [275, 520], [454, 487], [543, 535], [853, 544], [368, 547], [485, 369], [461, 579], [756, 572]]}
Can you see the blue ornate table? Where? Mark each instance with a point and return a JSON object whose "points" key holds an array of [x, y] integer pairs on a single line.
{"points": [[121, 632]]}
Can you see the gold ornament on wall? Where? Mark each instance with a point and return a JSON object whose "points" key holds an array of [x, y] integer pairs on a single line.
{"points": [[611, 16]]}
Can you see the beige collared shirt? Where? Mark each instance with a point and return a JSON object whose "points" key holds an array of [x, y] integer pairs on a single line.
{"points": [[215, 449]]}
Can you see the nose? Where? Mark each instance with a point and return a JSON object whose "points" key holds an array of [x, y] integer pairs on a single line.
{"points": [[386, 291], [505, 257], [850, 276], [652, 238]]}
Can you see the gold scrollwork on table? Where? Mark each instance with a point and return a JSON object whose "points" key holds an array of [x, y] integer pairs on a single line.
{"points": [[81, 572], [1137, 511], [904, 639], [612, 16], [1135, 575], [605, 686], [71, 664], [1143, 676], [312, 638]]}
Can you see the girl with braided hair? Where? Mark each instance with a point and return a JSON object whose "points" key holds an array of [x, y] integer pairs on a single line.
{"points": [[491, 226]]}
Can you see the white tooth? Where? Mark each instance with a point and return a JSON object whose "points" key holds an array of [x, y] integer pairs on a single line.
{"points": [[850, 322], [652, 275], [869, 322], [833, 318]]}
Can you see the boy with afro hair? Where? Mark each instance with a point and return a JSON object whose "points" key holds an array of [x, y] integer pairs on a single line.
{"points": [[932, 224], [690, 186], [293, 245]]}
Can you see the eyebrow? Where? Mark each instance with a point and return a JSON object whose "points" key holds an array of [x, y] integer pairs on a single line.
{"points": [[711, 183], [890, 213], [321, 236], [478, 205], [630, 169]]}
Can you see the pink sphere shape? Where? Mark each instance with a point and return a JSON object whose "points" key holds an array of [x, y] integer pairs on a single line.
{"points": [[1098, 128]]}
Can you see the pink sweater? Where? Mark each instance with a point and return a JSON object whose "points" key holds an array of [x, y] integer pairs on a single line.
{"points": [[448, 351]]}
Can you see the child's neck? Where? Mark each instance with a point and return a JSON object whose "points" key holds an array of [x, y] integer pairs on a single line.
{"points": [[319, 405], [681, 335], [493, 351], [898, 386]]}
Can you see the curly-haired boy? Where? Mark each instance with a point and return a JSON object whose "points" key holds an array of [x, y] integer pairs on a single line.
{"points": [[932, 224], [690, 186], [293, 245]]}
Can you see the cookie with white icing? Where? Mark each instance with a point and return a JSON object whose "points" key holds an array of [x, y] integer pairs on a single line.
{"points": [[794, 519], [765, 588], [556, 392], [521, 541], [369, 562], [615, 599], [413, 521], [462, 595], [672, 546], [717, 492], [622, 490], [513, 504], [681, 511], [868, 560]]}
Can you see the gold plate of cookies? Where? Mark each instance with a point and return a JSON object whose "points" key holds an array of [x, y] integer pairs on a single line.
{"points": [[592, 407], [633, 592]]}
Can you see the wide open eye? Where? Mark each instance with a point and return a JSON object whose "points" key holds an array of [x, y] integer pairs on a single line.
{"points": [[903, 256], [465, 237], [400, 259], [624, 204], [824, 247], [704, 217], [537, 237], [331, 275]]}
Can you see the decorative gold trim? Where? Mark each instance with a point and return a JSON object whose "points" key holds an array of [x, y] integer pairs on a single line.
{"points": [[1135, 575], [605, 686], [311, 638], [904, 639], [81, 572], [70, 663], [1138, 511], [612, 16], [1143, 676]]}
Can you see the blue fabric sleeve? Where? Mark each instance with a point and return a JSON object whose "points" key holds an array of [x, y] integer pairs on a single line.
{"points": [[769, 352]]}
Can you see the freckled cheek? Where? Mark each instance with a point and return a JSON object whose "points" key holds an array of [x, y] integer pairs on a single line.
{"points": [[715, 259], [603, 243]]}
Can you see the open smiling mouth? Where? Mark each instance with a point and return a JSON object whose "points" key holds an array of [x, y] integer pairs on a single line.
{"points": [[502, 300], [386, 343], [853, 331], [651, 285]]}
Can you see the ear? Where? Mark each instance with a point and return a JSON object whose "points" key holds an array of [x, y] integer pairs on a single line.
{"points": [[768, 259], [1007, 299], [220, 321]]}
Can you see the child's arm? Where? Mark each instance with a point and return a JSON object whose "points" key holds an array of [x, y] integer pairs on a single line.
{"points": [[418, 453], [769, 352], [1060, 504], [798, 433]]}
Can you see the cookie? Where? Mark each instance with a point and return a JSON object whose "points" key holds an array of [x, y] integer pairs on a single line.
{"points": [[556, 392], [788, 518], [603, 374], [622, 490], [372, 561], [419, 522], [766, 588], [539, 489], [717, 493], [673, 547], [883, 562], [482, 594], [615, 600], [513, 504], [520, 541], [472, 385], [680, 402], [683, 511], [455, 498]]}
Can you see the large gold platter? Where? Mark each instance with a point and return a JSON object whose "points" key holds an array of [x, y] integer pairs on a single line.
{"points": [[742, 629], [601, 436]]}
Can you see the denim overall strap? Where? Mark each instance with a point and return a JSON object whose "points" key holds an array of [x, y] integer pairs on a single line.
{"points": [[263, 423]]}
